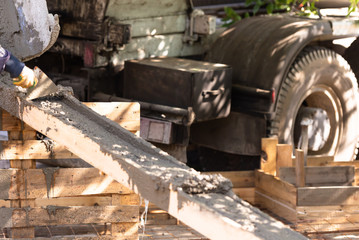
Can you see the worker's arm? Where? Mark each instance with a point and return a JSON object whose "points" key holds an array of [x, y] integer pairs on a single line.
{"points": [[22, 75]]}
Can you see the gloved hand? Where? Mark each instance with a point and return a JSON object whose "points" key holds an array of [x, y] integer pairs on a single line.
{"points": [[26, 79]]}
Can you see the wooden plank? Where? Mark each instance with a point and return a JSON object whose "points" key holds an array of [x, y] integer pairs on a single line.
{"points": [[28, 163], [275, 206], [353, 163], [126, 199], [65, 182], [11, 123], [328, 214], [319, 160], [92, 231], [239, 179], [127, 114], [22, 135], [247, 194], [35, 149], [321, 176], [335, 195], [141, 167], [300, 173], [72, 215], [328, 227], [284, 156], [74, 201], [54, 182], [268, 162], [283, 191], [134, 9]]}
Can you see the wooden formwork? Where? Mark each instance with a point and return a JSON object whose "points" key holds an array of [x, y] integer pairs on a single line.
{"points": [[243, 183], [319, 198], [63, 203]]}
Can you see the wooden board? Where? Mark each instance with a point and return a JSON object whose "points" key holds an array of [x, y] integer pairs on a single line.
{"points": [[11, 123], [127, 114], [275, 188], [239, 179], [247, 194], [34, 149], [284, 156], [21, 217], [64, 182], [319, 160], [321, 176], [275, 205], [328, 196], [74, 201], [268, 162]]}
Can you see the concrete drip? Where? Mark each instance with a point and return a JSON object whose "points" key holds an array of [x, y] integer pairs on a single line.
{"points": [[49, 145], [49, 176], [51, 209], [27, 210]]}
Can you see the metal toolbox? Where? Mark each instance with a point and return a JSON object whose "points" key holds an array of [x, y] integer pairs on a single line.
{"points": [[205, 87]]}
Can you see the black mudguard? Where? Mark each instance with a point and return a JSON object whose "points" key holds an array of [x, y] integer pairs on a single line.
{"points": [[261, 51]]}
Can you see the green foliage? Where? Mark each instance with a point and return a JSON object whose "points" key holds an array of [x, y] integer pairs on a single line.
{"points": [[231, 17], [353, 6], [300, 7]]}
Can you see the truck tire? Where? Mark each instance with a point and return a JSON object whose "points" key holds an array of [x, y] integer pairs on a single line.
{"points": [[320, 79]]}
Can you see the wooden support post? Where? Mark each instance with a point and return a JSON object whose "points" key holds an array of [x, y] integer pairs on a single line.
{"points": [[299, 168], [268, 159], [284, 156]]}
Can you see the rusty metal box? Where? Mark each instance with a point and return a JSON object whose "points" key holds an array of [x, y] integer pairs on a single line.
{"points": [[205, 87]]}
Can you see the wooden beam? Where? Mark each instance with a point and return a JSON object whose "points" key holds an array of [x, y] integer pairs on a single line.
{"points": [[329, 196], [275, 188], [284, 156], [57, 182], [239, 179], [143, 168], [268, 161], [34, 149], [321, 176], [319, 160], [55, 215], [299, 168], [74, 201], [127, 114]]}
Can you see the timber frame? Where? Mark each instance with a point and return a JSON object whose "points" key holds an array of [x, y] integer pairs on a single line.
{"points": [[159, 185]]}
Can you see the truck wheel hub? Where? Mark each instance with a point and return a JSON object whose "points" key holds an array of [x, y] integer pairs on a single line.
{"points": [[318, 129]]}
